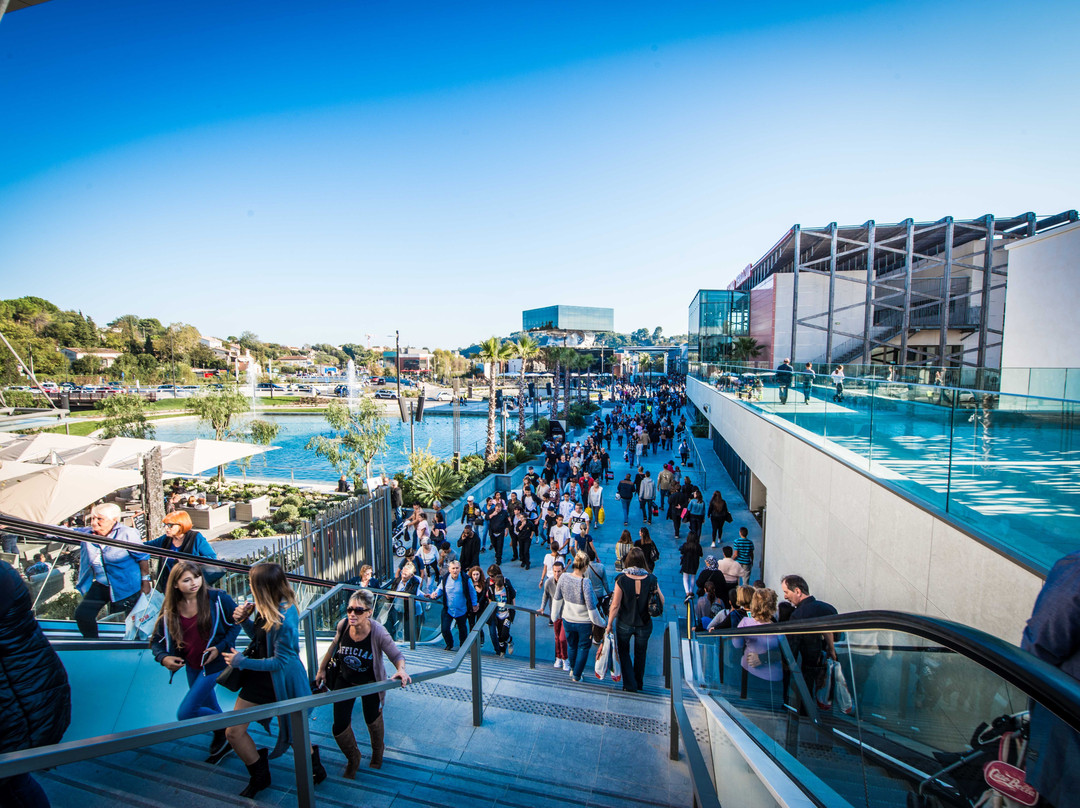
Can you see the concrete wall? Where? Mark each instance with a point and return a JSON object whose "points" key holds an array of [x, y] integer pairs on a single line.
{"points": [[1042, 301], [858, 544]]}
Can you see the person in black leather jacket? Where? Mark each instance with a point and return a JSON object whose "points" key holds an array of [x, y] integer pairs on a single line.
{"points": [[35, 698]]}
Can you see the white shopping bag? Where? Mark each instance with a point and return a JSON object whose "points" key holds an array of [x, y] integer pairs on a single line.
{"points": [[843, 695], [603, 656], [139, 624], [616, 666]]}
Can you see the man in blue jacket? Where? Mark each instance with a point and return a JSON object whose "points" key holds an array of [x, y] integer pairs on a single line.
{"points": [[110, 577], [458, 599]]}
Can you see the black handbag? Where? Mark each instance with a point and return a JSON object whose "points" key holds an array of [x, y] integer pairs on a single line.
{"points": [[656, 608], [232, 678]]}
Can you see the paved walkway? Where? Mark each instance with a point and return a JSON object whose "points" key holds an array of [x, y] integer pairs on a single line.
{"points": [[663, 534]]}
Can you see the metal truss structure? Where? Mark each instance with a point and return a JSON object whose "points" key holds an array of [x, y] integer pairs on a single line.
{"points": [[892, 262]]}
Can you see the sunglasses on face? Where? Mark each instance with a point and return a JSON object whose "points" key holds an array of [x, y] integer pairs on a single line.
{"points": [[357, 610]]}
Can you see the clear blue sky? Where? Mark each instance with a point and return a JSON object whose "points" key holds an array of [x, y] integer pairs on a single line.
{"points": [[320, 171]]}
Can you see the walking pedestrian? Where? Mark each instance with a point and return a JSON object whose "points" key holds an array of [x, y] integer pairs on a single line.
{"points": [[629, 618], [575, 604], [719, 515], [271, 668], [356, 656], [194, 629]]}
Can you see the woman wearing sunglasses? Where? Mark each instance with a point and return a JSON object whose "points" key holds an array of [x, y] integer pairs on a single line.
{"points": [[356, 658]]}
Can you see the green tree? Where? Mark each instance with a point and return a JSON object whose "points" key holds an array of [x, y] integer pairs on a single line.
{"points": [[526, 349], [217, 411], [657, 335], [493, 352], [361, 434], [258, 432], [640, 336], [745, 348], [125, 417]]}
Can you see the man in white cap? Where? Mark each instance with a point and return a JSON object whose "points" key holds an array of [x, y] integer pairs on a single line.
{"points": [[471, 514]]}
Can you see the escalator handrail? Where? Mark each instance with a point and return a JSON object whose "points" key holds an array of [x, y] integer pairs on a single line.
{"points": [[28, 529], [1052, 688]]}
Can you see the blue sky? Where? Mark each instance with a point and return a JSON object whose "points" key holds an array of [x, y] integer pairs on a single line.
{"points": [[327, 170]]}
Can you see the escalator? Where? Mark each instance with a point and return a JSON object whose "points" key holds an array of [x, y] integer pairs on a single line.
{"points": [[920, 707]]}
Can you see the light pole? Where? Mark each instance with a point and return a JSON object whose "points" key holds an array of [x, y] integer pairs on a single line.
{"points": [[504, 434], [397, 361]]}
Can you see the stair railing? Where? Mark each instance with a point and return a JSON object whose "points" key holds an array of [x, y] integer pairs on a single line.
{"points": [[296, 710], [704, 788]]}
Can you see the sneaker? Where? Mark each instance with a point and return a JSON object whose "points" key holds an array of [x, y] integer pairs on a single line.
{"points": [[498, 653], [566, 664], [558, 664], [510, 648]]}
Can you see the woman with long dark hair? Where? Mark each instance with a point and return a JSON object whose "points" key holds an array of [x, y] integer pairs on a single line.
{"points": [[272, 670], [629, 617], [718, 515], [194, 630], [649, 550]]}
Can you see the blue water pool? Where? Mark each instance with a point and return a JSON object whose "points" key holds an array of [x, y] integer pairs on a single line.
{"points": [[292, 461]]}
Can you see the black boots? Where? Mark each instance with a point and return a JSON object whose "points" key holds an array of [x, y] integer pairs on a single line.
{"points": [[259, 775], [375, 730], [346, 742], [219, 747], [318, 773]]}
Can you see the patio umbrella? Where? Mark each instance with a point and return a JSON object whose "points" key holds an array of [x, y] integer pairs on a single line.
{"points": [[201, 454], [50, 494], [32, 447], [113, 452]]}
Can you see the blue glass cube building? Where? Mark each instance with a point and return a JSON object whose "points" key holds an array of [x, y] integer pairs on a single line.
{"points": [[568, 318]]}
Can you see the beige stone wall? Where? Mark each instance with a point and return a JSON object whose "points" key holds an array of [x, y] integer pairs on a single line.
{"points": [[858, 544]]}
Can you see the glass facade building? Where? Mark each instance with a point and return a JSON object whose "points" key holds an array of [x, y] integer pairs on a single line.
{"points": [[568, 318], [717, 318]]}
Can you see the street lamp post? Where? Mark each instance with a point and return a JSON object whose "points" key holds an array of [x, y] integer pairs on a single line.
{"points": [[397, 361], [504, 435]]}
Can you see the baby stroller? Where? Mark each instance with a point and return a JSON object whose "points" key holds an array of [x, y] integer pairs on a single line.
{"points": [[960, 782]]}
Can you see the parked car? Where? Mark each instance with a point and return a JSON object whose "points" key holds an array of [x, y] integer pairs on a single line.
{"points": [[270, 386], [385, 394], [444, 395]]}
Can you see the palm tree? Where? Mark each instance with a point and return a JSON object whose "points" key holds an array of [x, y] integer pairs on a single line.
{"points": [[745, 348], [494, 353], [553, 357], [526, 349]]}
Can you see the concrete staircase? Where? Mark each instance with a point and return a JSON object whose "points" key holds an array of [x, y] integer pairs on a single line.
{"points": [[545, 741]]}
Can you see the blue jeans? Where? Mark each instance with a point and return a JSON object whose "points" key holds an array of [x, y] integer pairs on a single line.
{"points": [[579, 645], [200, 699], [625, 510]]}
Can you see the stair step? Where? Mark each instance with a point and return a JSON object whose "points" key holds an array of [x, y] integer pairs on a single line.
{"points": [[517, 669]]}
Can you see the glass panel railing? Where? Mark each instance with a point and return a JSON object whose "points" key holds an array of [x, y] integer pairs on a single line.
{"points": [[884, 722], [1004, 465], [63, 592]]}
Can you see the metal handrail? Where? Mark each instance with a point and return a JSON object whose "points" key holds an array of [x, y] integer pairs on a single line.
{"points": [[27, 528], [29, 760], [705, 797], [1056, 691]]}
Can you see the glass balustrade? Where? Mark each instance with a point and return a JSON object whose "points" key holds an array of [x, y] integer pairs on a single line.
{"points": [[887, 730], [1007, 466]]}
